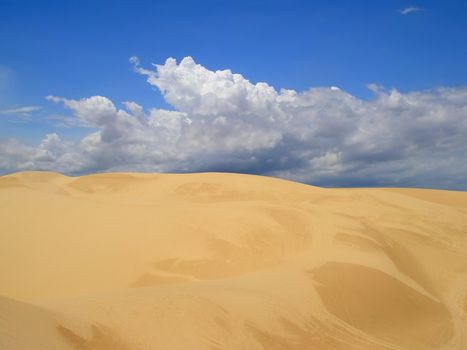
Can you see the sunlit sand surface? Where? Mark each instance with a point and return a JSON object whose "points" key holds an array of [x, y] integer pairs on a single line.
{"points": [[225, 261]]}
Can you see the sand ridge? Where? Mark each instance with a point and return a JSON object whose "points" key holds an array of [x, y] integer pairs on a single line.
{"points": [[228, 261]]}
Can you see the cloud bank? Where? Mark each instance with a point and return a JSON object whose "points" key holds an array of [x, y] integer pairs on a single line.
{"points": [[223, 122]]}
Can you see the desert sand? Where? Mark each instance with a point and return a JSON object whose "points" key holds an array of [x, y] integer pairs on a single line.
{"points": [[128, 261]]}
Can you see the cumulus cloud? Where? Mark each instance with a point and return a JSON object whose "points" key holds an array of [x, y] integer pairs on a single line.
{"points": [[409, 10], [223, 122]]}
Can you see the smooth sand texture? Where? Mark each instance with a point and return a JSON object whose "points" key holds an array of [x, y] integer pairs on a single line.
{"points": [[226, 261]]}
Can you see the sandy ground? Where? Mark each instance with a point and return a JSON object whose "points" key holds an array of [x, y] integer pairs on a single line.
{"points": [[224, 261]]}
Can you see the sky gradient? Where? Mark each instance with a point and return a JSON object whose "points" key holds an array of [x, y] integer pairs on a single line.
{"points": [[333, 93]]}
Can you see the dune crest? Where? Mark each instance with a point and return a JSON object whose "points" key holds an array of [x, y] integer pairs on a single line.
{"points": [[131, 261]]}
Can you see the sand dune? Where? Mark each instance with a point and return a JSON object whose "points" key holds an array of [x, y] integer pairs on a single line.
{"points": [[225, 261]]}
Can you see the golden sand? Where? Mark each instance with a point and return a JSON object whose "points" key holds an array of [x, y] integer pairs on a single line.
{"points": [[223, 261]]}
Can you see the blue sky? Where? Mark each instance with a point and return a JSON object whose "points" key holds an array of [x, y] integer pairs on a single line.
{"points": [[78, 49]]}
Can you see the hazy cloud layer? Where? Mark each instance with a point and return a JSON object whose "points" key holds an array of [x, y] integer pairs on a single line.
{"points": [[223, 122]]}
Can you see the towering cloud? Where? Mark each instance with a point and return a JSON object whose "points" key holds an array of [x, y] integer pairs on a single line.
{"points": [[223, 122]]}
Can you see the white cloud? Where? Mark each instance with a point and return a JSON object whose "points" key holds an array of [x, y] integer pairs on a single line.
{"points": [[410, 9], [20, 111], [223, 122]]}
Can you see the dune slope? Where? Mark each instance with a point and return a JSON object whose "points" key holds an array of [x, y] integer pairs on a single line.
{"points": [[130, 261]]}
